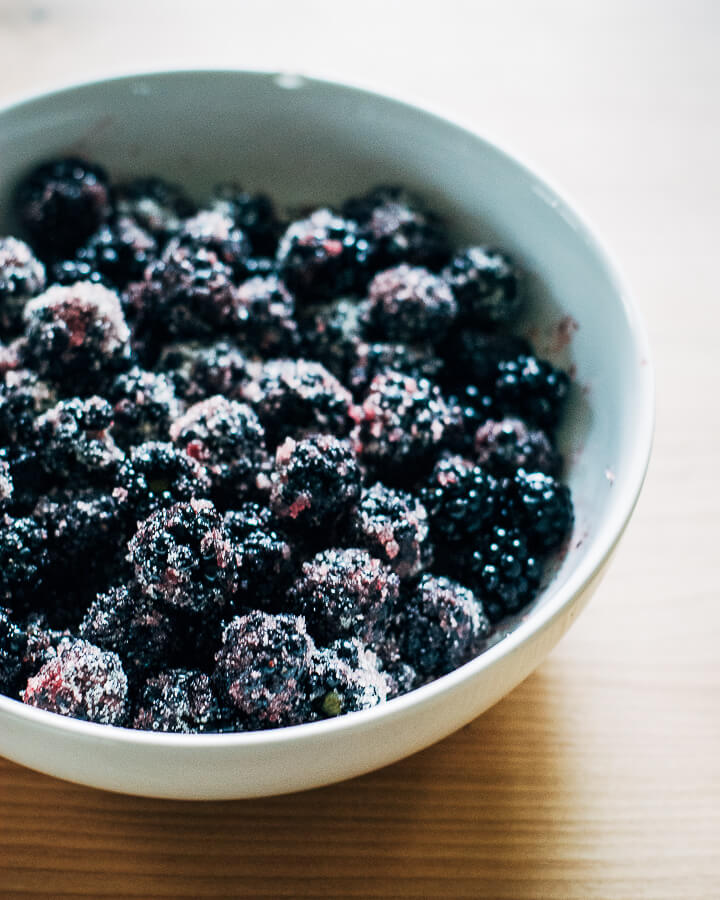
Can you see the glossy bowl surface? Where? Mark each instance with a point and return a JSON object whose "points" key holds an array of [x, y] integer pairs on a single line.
{"points": [[308, 141]]}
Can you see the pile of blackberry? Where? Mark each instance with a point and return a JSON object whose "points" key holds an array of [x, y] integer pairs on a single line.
{"points": [[257, 471]]}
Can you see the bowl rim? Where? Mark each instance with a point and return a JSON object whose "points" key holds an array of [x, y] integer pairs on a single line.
{"points": [[556, 602]]}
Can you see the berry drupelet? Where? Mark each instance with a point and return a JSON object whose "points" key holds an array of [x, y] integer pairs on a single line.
{"points": [[62, 202], [393, 526], [265, 317], [461, 500], [410, 304], [315, 482], [262, 670], [177, 700], [156, 205], [345, 593], [502, 447], [485, 285], [441, 626], [22, 276], [323, 257], [76, 336], [182, 558], [144, 406], [81, 681]]}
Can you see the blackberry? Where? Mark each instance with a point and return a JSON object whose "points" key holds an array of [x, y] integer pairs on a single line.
{"points": [[82, 681], [23, 560], [533, 389], [74, 443], [215, 233], [42, 642], [10, 356], [22, 276], [294, 397], [346, 677], [156, 205], [399, 227], [67, 272], [262, 669], [315, 482], [417, 361], [393, 526], [200, 371], [177, 700], [409, 304], [469, 408], [401, 676], [13, 646], [502, 447], [401, 424], [332, 334], [323, 257], [155, 476], [7, 488], [344, 593], [264, 555], [442, 625], [183, 559], [265, 313], [228, 439], [476, 356], [119, 252], [76, 336], [254, 214], [132, 626], [23, 397], [543, 508], [144, 406], [461, 500], [485, 284], [60, 203], [503, 571]]}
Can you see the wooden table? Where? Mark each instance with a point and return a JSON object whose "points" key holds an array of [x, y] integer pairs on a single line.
{"points": [[600, 776]]}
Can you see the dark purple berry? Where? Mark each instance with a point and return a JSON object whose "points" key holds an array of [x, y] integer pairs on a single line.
{"points": [[215, 233], [23, 560], [461, 500], [118, 251], [409, 304], [502, 447], [22, 277], [418, 361], [176, 700], [475, 356], [200, 371], [144, 406], [346, 677], [543, 508], [533, 389], [265, 314], [485, 285], [332, 334], [13, 647], [252, 213], [157, 206], [264, 556]]}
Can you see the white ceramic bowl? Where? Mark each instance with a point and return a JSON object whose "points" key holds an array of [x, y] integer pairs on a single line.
{"points": [[309, 141]]}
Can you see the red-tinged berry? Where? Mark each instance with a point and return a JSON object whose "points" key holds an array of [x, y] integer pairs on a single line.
{"points": [[484, 282], [265, 317], [409, 304], [502, 447]]}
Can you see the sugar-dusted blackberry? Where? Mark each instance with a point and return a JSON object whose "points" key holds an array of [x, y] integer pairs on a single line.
{"points": [[23, 397], [200, 371], [262, 669], [400, 228], [484, 282], [401, 424], [144, 405], [323, 257], [502, 570], [533, 389], [23, 559], [253, 213], [22, 276], [400, 674], [189, 294], [76, 336], [265, 317], [393, 526], [473, 357], [42, 642], [346, 677], [128, 623], [227, 438], [461, 500], [215, 233], [156, 205], [502, 447], [332, 333], [176, 700], [442, 625], [292, 397], [182, 557], [156, 475], [418, 361], [10, 356], [544, 510], [7, 488], [315, 482], [61, 202], [119, 251], [13, 645], [264, 555], [73, 441], [409, 304], [344, 593], [82, 681]]}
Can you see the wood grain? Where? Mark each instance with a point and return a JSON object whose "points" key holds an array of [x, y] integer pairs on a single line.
{"points": [[600, 776]]}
